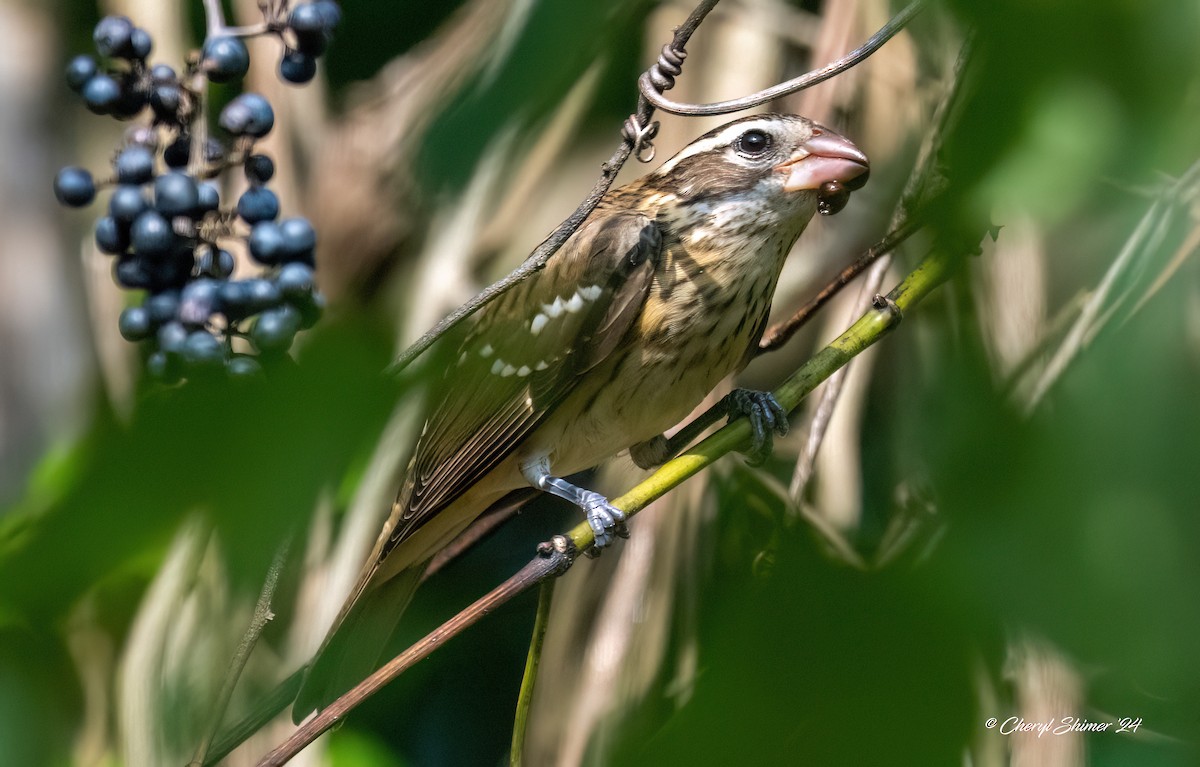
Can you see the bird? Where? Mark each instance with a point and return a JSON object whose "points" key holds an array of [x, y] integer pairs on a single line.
{"points": [[661, 293]]}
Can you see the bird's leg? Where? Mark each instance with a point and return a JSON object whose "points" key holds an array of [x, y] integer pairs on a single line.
{"points": [[653, 452], [767, 418], [605, 519]]}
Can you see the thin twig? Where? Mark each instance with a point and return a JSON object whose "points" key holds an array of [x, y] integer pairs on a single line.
{"points": [[525, 698], [262, 616], [632, 141], [553, 559], [654, 95], [780, 333], [214, 18]]}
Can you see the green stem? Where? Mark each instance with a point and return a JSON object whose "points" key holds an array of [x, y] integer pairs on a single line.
{"points": [[871, 327], [525, 698]]}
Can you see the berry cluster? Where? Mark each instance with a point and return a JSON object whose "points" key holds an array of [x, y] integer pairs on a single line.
{"points": [[165, 223]]}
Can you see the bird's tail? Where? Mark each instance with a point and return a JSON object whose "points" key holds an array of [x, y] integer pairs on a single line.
{"points": [[353, 649]]}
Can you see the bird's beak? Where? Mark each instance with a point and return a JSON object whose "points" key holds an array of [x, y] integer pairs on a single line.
{"points": [[824, 158]]}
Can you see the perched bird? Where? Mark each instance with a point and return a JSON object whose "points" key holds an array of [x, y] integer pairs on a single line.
{"points": [[661, 294]]}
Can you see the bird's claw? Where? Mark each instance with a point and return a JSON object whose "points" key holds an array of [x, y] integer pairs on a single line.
{"points": [[767, 418], [607, 521]]}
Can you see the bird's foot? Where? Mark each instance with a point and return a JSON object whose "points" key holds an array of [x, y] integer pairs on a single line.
{"points": [[767, 418], [607, 521]]}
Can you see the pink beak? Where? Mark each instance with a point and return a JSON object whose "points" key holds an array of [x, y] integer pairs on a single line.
{"points": [[825, 157]]}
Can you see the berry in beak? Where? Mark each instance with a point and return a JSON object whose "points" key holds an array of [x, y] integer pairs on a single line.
{"points": [[828, 163]]}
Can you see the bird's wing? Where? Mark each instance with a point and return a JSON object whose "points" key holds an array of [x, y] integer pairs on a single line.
{"points": [[524, 356], [521, 359]]}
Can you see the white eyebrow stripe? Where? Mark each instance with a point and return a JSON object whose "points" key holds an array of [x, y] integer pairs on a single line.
{"points": [[724, 138]]}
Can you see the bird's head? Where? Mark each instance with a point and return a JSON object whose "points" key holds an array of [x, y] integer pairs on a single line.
{"points": [[776, 168]]}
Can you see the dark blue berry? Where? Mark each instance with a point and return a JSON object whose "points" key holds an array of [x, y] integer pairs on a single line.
{"points": [[243, 366], [163, 74], [129, 104], [275, 329], [214, 151], [74, 187], [165, 100], [131, 272], [217, 263], [176, 194], [135, 165], [266, 243], [310, 308], [299, 240], [248, 115], [295, 280], [178, 152], [311, 28], [172, 336], [160, 366], [199, 299], [79, 70], [306, 18], [225, 59], [172, 271], [101, 93], [111, 236], [263, 294], [297, 67], [140, 44], [258, 204], [235, 300], [113, 36], [243, 298], [134, 324], [202, 349], [162, 307], [127, 203], [151, 235], [210, 198], [259, 168], [330, 11]]}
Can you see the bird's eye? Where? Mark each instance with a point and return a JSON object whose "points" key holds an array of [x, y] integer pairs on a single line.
{"points": [[753, 142]]}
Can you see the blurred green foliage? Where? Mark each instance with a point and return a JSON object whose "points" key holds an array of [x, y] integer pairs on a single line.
{"points": [[1078, 524]]}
